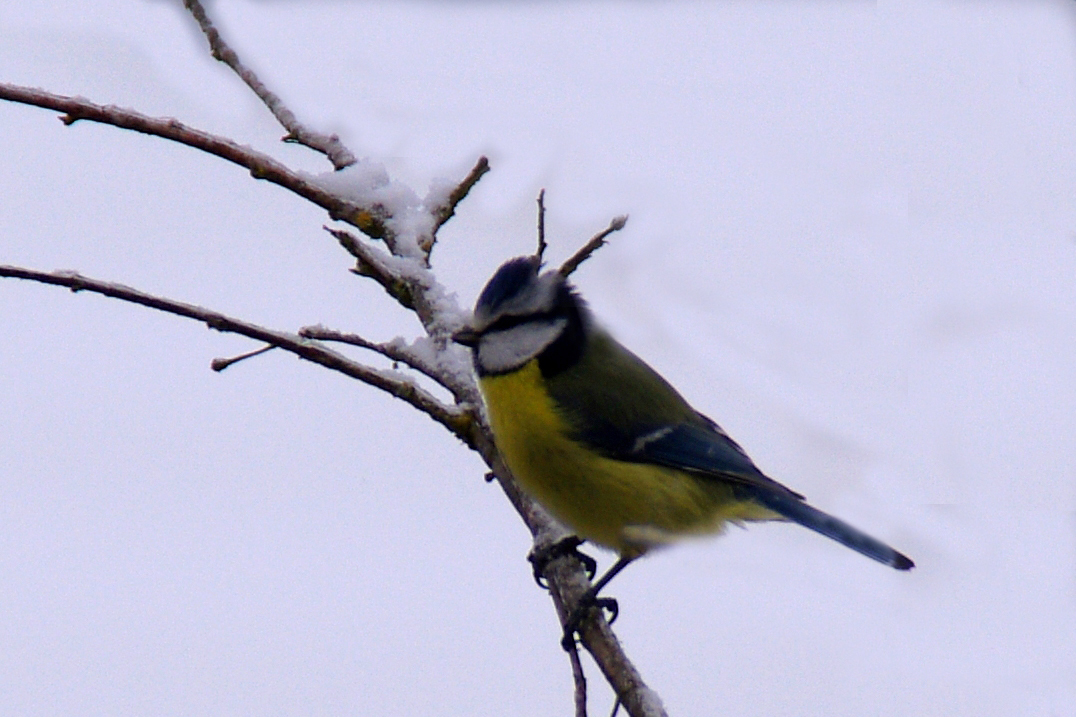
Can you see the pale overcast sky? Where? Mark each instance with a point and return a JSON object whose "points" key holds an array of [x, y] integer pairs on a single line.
{"points": [[852, 243]]}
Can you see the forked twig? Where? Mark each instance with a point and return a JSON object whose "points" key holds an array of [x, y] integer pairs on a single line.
{"points": [[329, 145], [567, 582]]}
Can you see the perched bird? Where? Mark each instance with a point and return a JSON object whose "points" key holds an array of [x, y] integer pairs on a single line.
{"points": [[606, 444]]}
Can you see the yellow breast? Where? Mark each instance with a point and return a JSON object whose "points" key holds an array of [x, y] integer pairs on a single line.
{"points": [[622, 505]]}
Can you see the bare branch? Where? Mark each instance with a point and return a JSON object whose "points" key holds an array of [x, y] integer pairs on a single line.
{"points": [[595, 243], [459, 421], [541, 226], [446, 211], [369, 220], [329, 145]]}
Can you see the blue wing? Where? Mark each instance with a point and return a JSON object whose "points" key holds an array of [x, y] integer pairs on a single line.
{"points": [[621, 407], [702, 446]]}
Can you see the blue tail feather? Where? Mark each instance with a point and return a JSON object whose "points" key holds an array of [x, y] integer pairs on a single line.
{"points": [[800, 512]]}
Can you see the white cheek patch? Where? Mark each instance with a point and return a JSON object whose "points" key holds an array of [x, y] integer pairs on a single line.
{"points": [[501, 351]]}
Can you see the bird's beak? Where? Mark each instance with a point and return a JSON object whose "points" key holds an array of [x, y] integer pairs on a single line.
{"points": [[467, 336]]}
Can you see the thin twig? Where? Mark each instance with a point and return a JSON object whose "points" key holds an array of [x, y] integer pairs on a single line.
{"points": [[219, 364], [541, 226], [595, 243], [580, 683], [369, 220], [329, 145], [446, 211], [459, 421]]}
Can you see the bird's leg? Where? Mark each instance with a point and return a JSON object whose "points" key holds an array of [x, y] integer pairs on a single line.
{"points": [[540, 558], [590, 600]]}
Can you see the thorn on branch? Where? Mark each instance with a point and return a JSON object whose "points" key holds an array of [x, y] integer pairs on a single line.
{"points": [[219, 364], [76, 284], [347, 240], [595, 243]]}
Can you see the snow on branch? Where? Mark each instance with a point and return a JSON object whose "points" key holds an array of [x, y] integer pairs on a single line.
{"points": [[419, 355], [439, 209], [380, 212], [374, 264]]}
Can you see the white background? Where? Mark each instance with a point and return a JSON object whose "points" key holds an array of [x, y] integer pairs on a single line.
{"points": [[852, 242]]}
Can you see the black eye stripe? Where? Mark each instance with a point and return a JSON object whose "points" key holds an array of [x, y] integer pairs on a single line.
{"points": [[510, 321]]}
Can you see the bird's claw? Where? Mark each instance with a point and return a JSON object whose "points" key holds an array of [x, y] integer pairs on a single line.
{"points": [[611, 606], [540, 558], [575, 620]]}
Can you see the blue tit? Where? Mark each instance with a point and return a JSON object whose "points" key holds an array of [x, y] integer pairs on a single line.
{"points": [[606, 444]]}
